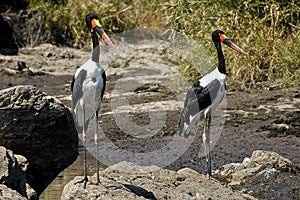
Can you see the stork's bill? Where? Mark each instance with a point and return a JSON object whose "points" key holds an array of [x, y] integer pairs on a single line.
{"points": [[228, 42], [97, 27]]}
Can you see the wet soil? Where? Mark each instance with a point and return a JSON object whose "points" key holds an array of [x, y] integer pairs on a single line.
{"points": [[266, 119]]}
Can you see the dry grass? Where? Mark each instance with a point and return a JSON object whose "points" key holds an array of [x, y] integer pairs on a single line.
{"points": [[66, 21], [267, 30]]}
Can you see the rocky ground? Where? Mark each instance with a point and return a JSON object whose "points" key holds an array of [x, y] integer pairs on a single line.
{"points": [[150, 182], [266, 119]]}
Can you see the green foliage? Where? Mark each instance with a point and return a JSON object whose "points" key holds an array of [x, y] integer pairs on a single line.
{"points": [[65, 19], [267, 29]]}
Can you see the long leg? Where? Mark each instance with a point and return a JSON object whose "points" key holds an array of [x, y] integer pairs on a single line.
{"points": [[85, 178], [96, 147], [205, 138], [206, 141]]}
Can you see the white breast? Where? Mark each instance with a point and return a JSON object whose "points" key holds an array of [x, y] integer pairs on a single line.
{"points": [[204, 81], [215, 74], [92, 81]]}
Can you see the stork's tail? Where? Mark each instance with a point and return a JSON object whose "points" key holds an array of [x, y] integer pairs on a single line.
{"points": [[184, 123]]}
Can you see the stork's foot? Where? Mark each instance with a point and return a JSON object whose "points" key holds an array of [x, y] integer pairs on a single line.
{"points": [[209, 177], [98, 177], [99, 184], [84, 181]]}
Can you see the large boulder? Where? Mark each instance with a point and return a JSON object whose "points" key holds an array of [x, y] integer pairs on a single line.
{"points": [[12, 26], [12, 175], [129, 181], [8, 44], [40, 128]]}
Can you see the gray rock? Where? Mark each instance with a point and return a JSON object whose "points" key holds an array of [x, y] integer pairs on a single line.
{"points": [[7, 193], [149, 183], [12, 175], [8, 45], [261, 163], [40, 128]]}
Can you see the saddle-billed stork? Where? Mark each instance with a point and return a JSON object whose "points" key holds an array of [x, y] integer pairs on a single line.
{"points": [[205, 95], [88, 87]]}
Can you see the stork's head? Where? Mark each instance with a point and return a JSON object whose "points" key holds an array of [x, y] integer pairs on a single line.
{"points": [[93, 24], [219, 36]]}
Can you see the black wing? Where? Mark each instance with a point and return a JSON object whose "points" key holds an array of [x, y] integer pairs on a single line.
{"points": [[76, 87], [197, 99], [102, 90], [104, 84]]}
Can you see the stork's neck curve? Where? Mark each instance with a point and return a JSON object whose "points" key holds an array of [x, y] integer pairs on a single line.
{"points": [[96, 47], [221, 59]]}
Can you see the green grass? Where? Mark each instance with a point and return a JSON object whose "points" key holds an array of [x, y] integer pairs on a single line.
{"points": [[268, 30]]}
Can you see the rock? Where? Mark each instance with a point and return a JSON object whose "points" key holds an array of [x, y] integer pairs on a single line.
{"points": [[40, 128], [129, 181], [276, 176], [21, 65], [12, 176], [7, 193], [261, 162], [8, 45]]}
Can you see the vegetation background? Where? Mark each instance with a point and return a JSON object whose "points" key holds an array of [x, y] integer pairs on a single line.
{"points": [[269, 30]]}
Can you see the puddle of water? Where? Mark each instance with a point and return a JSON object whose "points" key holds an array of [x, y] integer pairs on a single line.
{"points": [[54, 190]]}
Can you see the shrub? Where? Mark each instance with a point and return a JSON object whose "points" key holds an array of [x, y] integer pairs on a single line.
{"points": [[268, 30]]}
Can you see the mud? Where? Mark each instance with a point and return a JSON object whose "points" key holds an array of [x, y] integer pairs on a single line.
{"points": [[267, 119]]}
